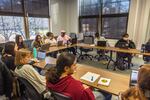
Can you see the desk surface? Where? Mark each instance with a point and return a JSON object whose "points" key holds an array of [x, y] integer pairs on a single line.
{"points": [[115, 49], [119, 83], [57, 48]]}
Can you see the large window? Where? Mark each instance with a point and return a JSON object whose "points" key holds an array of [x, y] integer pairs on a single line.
{"points": [[10, 26], [109, 17], [38, 25], [89, 14], [13, 15], [114, 18]]}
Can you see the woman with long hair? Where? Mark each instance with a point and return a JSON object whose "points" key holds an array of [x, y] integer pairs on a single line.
{"points": [[59, 79], [19, 43]]}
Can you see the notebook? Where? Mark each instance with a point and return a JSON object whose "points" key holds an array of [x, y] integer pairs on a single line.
{"points": [[104, 81], [90, 77]]}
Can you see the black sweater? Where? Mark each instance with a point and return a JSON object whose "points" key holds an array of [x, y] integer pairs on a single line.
{"points": [[5, 80]]}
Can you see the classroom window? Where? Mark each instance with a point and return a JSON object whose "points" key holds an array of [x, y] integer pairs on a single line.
{"points": [[111, 17], [11, 25], [36, 25], [89, 14], [114, 18], [14, 12]]}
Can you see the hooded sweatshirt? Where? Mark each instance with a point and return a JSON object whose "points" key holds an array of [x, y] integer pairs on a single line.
{"points": [[73, 88]]}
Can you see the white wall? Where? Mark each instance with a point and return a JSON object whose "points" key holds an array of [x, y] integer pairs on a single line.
{"points": [[64, 15], [138, 21]]}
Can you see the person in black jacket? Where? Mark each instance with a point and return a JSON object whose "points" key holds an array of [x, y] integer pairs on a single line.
{"points": [[9, 55], [5, 82], [125, 42]]}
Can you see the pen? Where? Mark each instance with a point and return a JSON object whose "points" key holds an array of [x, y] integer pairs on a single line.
{"points": [[92, 78]]}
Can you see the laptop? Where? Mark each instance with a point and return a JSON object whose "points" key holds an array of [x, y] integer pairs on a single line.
{"points": [[123, 45], [74, 41], [133, 77], [60, 43], [45, 47], [41, 55], [101, 43]]}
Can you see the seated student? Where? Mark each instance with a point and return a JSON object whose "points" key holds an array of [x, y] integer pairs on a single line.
{"points": [[25, 70], [65, 38], [98, 38], [130, 44], [37, 43], [5, 82], [19, 43], [59, 79], [148, 42], [9, 55], [50, 38], [142, 90]]}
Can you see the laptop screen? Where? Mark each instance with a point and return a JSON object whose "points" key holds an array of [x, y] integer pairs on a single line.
{"points": [[41, 55], [133, 77]]}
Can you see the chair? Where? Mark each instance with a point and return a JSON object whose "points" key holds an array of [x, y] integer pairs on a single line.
{"points": [[101, 53], [28, 92], [87, 40], [146, 49], [59, 96]]}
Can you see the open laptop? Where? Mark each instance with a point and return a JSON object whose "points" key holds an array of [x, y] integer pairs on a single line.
{"points": [[41, 55], [123, 45], [45, 47], [60, 43], [101, 43], [133, 77]]}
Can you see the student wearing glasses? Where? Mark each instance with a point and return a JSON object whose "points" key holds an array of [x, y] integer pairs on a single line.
{"points": [[37, 43]]}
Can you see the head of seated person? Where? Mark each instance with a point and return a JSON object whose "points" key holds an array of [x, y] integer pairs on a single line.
{"points": [[50, 38], [37, 42], [22, 57], [63, 33], [19, 42], [9, 48], [59, 79], [125, 37], [142, 90], [65, 65], [8, 56]]}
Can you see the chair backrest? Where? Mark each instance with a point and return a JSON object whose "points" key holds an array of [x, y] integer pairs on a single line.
{"points": [[59, 96], [88, 39], [73, 35], [147, 48], [27, 90]]}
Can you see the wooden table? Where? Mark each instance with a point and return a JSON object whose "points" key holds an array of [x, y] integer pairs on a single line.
{"points": [[57, 48], [41, 64], [118, 82]]}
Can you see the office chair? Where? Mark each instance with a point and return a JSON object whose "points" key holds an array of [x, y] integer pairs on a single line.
{"points": [[59, 96], [28, 92], [101, 53], [87, 40], [146, 49]]}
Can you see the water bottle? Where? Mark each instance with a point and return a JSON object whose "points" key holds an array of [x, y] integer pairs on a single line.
{"points": [[34, 53]]}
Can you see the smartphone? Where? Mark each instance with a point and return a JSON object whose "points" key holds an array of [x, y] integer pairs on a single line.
{"points": [[133, 77]]}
